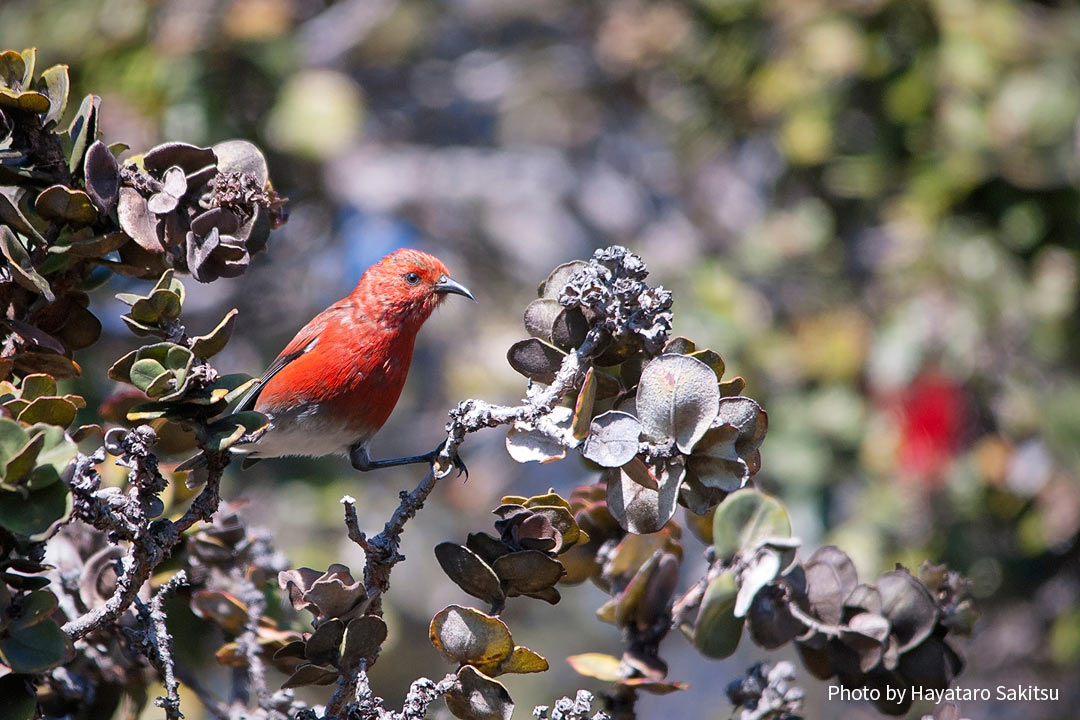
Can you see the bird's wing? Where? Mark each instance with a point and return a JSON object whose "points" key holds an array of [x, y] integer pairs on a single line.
{"points": [[304, 342]]}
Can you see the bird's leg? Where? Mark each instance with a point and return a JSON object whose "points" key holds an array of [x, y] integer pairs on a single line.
{"points": [[363, 462]]}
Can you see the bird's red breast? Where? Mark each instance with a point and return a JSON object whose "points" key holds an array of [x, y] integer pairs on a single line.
{"points": [[360, 349]]}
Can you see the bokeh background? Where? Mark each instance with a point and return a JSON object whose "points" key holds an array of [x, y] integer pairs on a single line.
{"points": [[868, 207]]}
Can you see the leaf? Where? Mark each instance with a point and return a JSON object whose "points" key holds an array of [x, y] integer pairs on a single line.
{"points": [[310, 674], [557, 279], [121, 369], [324, 645], [540, 317], [748, 417], [51, 410], [525, 444], [583, 405], [187, 158], [222, 608], [527, 571], [524, 660], [158, 307], [715, 461], [46, 361], [677, 398], [535, 359], [732, 387], [169, 281], [680, 345], [26, 100], [603, 667], [864, 597], [744, 519], [232, 387], [102, 175], [830, 579], [224, 220], [761, 570], [364, 637], [35, 607], [58, 450], [29, 56], [478, 697], [12, 68], [23, 461], [54, 81], [653, 686], [908, 606], [83, 131], [61, 204], [717, 631], [22, 267], [13, 438], [145, 373], [224, 433], [33, 515], [613, 439], [35, 648], [866, 635], [637, 508], [209, 345], [626, 602], [640, 473], [712, 359], [12, 215], [37, 385], [174, 182], [469, 572], [469, 637], [137, 221], [560, 517]]}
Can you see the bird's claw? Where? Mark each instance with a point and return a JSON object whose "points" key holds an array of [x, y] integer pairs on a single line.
{"points": [[458, 463]]}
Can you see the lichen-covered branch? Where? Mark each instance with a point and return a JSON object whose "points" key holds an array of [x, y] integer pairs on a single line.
{"points": [[157, 635], [126, 517]]}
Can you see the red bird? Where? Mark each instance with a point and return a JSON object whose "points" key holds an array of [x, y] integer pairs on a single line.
{"points": [[334, 386]]}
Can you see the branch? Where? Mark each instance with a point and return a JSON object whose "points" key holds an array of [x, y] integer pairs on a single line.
{"points": [[128, 518], [157, 634], [248, 642], [366, 706], [381, 552], [472, 415]]}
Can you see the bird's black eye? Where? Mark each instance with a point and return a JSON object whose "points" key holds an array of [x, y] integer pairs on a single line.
{"points": [[412, 278]]}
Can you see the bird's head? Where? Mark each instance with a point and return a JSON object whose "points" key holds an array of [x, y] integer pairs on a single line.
{"points": [[406, 286]]}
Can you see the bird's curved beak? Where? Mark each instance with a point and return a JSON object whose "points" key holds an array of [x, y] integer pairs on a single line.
{"points": [[449, 285]]}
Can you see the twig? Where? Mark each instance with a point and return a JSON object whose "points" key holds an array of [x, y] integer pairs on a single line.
{"points": [[472, 415], [567, 709], [150, 542], [381, 552], [157, 633], [248, 642]]}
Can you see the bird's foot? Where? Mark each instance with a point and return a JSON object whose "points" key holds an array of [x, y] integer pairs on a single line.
{"points": [[458, 463], [360, 459]]}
